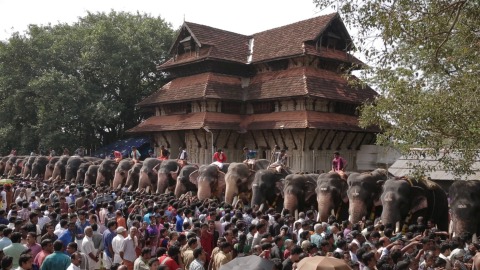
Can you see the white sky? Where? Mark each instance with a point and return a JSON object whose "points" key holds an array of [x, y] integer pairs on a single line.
{"points": [[244, 17]]}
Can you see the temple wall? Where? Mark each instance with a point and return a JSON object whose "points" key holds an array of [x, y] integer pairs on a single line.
{"points": [[310, 151]]}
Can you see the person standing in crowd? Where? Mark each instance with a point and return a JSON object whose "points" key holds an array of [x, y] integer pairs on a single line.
{"points": [[25, 262], [164, 153], [338, 163], [15, 249], [141, 263], [135, 154], [58, 260], [108, 236], [88, 247], [182, 153], [280, 158], [117, 245], [129, 254], [76, 260]]}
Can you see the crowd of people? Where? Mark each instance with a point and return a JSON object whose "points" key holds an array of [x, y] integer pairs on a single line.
{"points": [[66, 226]]}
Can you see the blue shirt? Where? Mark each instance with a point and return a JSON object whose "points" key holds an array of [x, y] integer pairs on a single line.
{"points": [[107, 241], [146, 218], [179, 224], [56, 261], [81, 227], [66, 237]]}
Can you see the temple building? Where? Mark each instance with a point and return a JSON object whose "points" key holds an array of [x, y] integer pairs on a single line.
{"points": [[284, 86]]}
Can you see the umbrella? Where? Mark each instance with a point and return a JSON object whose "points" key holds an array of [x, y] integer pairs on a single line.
{"points": [[322, 263], [248, 263], [7, 181]]}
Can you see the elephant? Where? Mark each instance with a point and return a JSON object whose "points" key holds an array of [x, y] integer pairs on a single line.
{"points": [[209, 181], [72, 166], [121, 172], [183, 180], [17, 167], [27, 166], [11, 163], [298, 191], [133, 176], [465, 207], [405, 200], [239, 178], [364, 190], [91, 174], [267, 189], [50, 167], [39, 167], [82, 170], [106, 172], [60, 168], [148, 174], [167, 175], [332, 195], [3, 163]]}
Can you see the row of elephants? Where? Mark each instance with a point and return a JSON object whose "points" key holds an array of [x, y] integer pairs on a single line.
{"points": [[355, 196]]}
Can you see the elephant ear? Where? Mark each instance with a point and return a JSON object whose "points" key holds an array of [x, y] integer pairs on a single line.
{"points": [[419, 200], [193, 177], [221, 184], [343, 191]]}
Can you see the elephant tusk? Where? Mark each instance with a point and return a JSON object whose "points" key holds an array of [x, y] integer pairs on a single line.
{"points": [[261, 207], [397, 227], [296, 214]]}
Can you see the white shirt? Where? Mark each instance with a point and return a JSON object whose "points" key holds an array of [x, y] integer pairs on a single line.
{"points": [[129, 249], [73, 267], [87, 248], [118, 243], [59, 231], [42, 221]]}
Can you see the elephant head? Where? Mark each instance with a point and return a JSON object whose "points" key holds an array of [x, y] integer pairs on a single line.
{"points": [[238, 177], [82, 169], [364, 190], [17, 166], [209, 181], [59, 168], [91, 174], [9, 164], [27, 168], [331, 195], [148, 174], [297, 189], [106, 172], [266, 188], [465, 207], [133, 176], [39, 166], [167, 175], [121, 172], [71, 169], [183, 180], [3, 162]]}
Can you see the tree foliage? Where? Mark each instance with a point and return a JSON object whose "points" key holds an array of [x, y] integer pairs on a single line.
{"points": [[424, 59], [77, 84]]}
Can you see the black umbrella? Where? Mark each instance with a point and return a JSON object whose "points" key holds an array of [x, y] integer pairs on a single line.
{"points": [[248, 263]]}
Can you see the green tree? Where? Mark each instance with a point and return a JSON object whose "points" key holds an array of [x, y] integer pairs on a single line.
{"points": [[424, 60], [77, 84]]}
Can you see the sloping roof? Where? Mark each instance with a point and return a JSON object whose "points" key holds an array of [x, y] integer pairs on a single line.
{"points": [[302, 119], [405, 166], [304, 81], [288, 40], [332, 54], [188, 121], [204, 85]]}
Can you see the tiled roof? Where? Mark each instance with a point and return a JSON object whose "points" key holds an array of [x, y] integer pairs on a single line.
{"points": [[332, 54], [188, 121], [305, 81], [204, 85], [302, 119], [288, 40], [275, 120], [280, 42]]}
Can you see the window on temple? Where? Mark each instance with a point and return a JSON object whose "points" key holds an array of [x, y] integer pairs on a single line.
{"points": [[232, 107], [177, 108], [263, 107], [345, 108]]}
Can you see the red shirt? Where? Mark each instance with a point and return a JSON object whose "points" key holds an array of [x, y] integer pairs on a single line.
{"points": [[171, 263], [117, 154], [220, 157], [206, 240]]}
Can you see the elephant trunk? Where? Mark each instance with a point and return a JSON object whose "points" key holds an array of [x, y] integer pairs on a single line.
{"points": [[179, 189], [204, 189], [256, 196], [80, 177], [162, 183], [100, 178], [48, 172], [291, 202], [118, 179], [357, 210], [324, 206], [391, 216], [463, 225], [231, 190]]}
